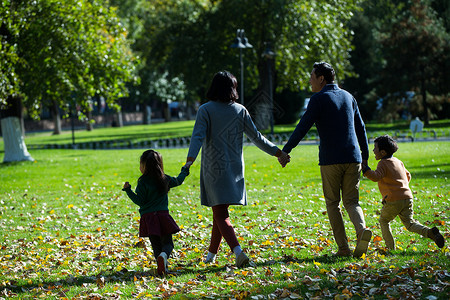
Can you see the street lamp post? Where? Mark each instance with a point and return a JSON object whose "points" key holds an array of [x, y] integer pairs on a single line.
{"points": [[269, 55], [241, 42]]}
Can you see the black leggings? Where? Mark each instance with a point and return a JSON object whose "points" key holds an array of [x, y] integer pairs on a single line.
{"points": [[161, 244]]}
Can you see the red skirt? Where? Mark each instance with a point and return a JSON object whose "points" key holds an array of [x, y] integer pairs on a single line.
{"points": [[157, 223]]}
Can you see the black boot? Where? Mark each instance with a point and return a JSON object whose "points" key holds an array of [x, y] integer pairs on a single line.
{"points": [[434, 234]]}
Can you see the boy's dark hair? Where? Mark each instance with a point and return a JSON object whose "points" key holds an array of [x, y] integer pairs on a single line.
{"points": [[324, 69], [386, 143], [223, 88], [153, 168]]}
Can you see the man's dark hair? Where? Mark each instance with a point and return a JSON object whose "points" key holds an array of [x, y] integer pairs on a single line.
{"points": [[223, 88], [324, 69], [387, 144]]}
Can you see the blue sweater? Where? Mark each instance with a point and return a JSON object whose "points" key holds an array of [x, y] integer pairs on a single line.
{"points": [[340, 126]]}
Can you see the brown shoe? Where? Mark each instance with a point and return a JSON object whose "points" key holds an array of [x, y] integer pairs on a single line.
{"points": [[344, 253], [363, 243], [436, 236]]}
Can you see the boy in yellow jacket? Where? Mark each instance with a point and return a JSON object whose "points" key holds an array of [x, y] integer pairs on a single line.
{"points": [[393, 182]]}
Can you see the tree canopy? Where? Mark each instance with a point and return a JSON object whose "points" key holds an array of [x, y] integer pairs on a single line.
{"points": [[62, 50], [191, 39], [402, 46]]}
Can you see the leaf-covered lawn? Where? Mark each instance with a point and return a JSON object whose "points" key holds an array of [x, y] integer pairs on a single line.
{"points": [[69, 232]]}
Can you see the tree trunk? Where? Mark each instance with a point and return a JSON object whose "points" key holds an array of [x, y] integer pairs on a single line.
{"points": [[56, 118], [147, 114], [166, 110], [14, 143], [262, 104], [89, 124], [119, 119], [424, 102]]}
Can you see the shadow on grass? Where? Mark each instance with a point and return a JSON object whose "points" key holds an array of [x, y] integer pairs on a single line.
{"points": [[199, 274], [14, 163]]}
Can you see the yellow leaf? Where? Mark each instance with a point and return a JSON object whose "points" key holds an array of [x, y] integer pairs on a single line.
{"points": [[52, 211], [70, 206], [317, 263]]}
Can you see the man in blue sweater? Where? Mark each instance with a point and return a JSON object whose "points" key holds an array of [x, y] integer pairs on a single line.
{"points": [[343, 147]]}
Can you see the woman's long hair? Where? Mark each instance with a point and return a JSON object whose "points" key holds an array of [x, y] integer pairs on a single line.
{"points": [[223, 88], [152, 163]]}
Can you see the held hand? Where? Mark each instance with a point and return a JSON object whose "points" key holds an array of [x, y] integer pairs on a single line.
{"points": [[126, 185], [188, 164], [284, 159]]}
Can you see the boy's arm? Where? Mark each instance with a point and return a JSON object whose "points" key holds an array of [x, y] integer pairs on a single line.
{"points": [[376, 175], [176, 181], [408, 175]]}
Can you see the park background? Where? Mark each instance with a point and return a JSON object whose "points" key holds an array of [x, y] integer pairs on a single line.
{"points": [[129, 74]]}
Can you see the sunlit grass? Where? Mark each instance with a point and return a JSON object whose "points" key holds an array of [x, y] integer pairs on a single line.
{"points": [[69, 230], [141, 133]]}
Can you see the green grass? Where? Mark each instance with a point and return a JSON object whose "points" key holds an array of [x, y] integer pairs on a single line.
{"points": [[140, 133], [70, 232]]}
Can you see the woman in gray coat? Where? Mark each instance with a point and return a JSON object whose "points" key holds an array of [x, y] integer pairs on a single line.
{"points": [[219, 130]]}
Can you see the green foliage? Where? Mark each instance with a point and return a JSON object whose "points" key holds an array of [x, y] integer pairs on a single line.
{"points": [[405, 69], [191, 39], [67, 51], [401, 46], [68, 231]]}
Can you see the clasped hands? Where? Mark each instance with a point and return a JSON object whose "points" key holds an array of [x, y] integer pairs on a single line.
{"points": [[284, 159]]}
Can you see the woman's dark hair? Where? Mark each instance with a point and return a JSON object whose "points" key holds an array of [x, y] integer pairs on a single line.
{"points": [[153, 167], [387, 144], [223, 88], [324, 69]]}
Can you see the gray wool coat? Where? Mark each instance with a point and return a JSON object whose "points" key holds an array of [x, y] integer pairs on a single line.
{"points": [[218, 131]]}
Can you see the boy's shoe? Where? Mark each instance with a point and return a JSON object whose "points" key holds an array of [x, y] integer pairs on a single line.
{"points": [[436, 236], [242, 260], [344, 253], [161, 262], [363, 243]]}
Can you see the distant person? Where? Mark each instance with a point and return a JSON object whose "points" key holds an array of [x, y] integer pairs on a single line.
{"points": [[415, 126], [218, 131], [393, 181], [343, 146], [151, 196]]}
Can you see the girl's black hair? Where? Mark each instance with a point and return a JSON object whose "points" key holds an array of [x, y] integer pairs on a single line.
{"points": [[223, 88], [153, 167], [386, 143]]}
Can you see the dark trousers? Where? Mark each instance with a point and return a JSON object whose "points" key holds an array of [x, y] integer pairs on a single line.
{"points": [[161, 244]]}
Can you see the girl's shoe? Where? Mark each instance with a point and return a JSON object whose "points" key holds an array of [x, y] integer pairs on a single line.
{"points": [[242, 260], [161, 262]]}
